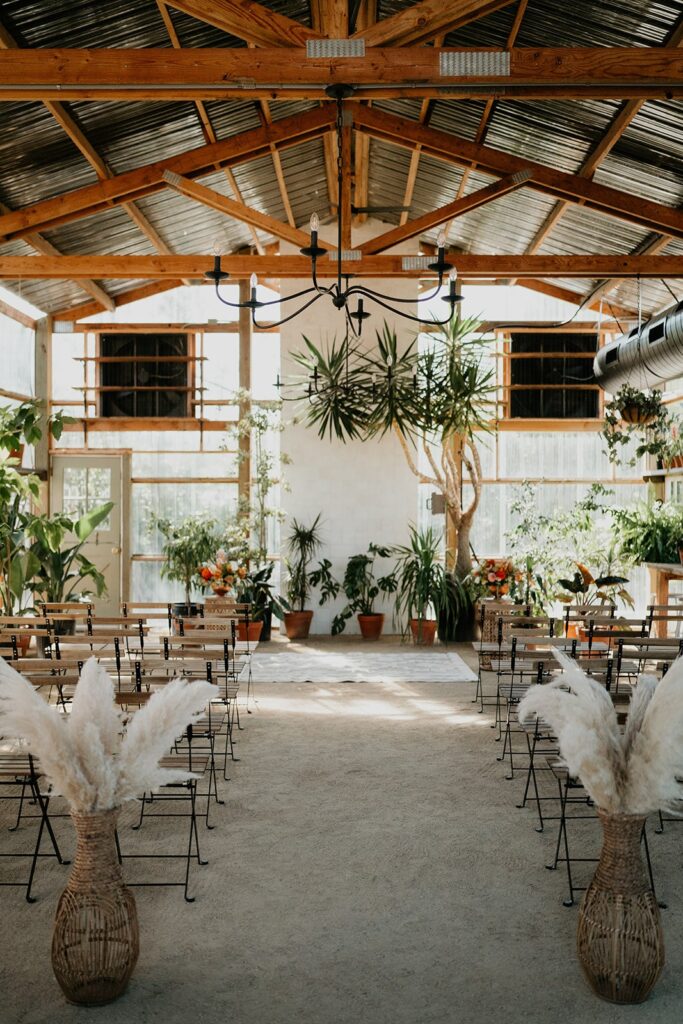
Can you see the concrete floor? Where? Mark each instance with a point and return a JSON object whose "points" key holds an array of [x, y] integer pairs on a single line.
{"points": [[370, 866]]}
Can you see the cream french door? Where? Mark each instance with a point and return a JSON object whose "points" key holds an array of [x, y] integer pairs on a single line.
{"points": [[79, 484]]}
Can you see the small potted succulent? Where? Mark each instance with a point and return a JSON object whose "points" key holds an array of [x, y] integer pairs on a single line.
{"points": [[362, 588]]}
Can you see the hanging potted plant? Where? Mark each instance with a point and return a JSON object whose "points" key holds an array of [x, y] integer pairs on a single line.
{"points": [[362, 588], [627, 776], [636, 415], [97, 762], [187, 545], [420, 585]]}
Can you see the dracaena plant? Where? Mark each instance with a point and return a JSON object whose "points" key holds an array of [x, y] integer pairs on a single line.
{"points": [[437, 399]]}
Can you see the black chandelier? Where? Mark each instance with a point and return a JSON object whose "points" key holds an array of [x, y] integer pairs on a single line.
{"points": [[341, 291]]}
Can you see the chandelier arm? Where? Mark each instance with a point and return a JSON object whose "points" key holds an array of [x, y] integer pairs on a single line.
{"points": [[408, 316], [233, 305], [286, 319], [319, 288], [275, 302], [360, 289]]}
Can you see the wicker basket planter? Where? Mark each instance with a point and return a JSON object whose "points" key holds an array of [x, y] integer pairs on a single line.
{"points": [[96, 942], [619, 939]]}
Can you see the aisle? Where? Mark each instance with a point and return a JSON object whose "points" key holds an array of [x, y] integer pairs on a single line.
{"points": [[369, 867]]}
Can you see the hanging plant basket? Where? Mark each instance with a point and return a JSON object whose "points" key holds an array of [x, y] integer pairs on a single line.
{"points": [[637, 415]]}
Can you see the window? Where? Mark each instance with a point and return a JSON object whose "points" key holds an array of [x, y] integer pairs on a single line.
{"points": [[551, 376], [85, 488], [148, 375]]}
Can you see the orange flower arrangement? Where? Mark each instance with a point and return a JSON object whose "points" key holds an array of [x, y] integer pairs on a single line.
{"points": [[496, 577], [220, 574]]}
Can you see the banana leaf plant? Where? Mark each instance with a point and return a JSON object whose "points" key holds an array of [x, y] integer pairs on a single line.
{"points": [[63, 568], [588, 589]]}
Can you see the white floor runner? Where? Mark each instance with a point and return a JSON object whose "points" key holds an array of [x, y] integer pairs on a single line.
{"points": [[319, 666]]}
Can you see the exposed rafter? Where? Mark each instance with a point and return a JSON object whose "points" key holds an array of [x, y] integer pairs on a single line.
{"points": [[148, 179], [445, 213], [421, 22], [247, 20], [280, 72], [453, 149], [244, 214], [469, 265]]}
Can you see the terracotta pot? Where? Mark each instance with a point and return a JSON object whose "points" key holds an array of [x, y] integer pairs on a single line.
{"points": [[220, 591], [676, 462], [619, 938], [17, 453], [424, 631], [680, 554], [634, 414], [371, 625], [96, 940], [298, 624], [252, 634]]}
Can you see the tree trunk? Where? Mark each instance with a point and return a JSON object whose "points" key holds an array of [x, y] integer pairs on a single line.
{"points": [[463, 555]]}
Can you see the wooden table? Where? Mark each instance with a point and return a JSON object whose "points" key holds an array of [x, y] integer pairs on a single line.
{"points": [[661, 574]]}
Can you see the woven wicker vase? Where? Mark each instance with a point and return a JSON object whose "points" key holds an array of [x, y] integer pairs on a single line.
{"points": [[619, 940], [96, 941]]}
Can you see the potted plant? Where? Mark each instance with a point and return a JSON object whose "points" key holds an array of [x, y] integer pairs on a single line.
{"points": [[187, 545], [256, 589], [302, 544], [421, 584], [672, 455], [21, 425], [62, 566], [636, 414], [585, 588], [361, 588], [650, 532]]}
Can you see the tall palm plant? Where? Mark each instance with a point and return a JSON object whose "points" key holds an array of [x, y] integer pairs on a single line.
{"points": [[437, 401]]}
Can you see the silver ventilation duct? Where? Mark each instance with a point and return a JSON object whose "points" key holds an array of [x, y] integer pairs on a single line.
{"points": [[644, 358]]}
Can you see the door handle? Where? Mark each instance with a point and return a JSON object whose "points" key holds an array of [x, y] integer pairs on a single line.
{"points": [[116, 551]]}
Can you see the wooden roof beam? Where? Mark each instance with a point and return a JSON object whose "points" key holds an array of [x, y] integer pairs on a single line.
{"points": [[453, 149], [468, 265], [148, 179], [247, 20], [421, 22], [445, 214], [244, 214], [415, 71]]}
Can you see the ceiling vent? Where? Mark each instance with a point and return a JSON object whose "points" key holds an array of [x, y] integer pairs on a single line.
{"points": [[473, 63], [335, 47]]}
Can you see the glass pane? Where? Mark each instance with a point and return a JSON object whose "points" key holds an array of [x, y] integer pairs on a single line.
{"points": [[179, 464], [175, 502]]}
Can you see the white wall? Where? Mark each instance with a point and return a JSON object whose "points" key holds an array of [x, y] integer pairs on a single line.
{"points": [[364, 490]]}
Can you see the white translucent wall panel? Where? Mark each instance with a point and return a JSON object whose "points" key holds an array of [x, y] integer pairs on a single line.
{"points": [[146, 584], [186, 305], [175, 501], [265, 367], [555, 455], [67, 372], [181, 464], [17, 346], [221, 369]]}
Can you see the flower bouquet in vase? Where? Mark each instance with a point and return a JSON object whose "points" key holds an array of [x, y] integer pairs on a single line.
{"points": [[222, 575]]}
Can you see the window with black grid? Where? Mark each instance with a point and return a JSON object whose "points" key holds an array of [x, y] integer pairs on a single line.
{"points": [[145, 375], [551, 377]]}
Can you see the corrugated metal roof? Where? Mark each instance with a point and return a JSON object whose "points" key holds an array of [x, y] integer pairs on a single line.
{"points": [[38, 161]]}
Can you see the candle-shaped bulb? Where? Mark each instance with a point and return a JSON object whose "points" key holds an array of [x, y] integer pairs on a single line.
{"points": [[253, 281], [315, 223], [453, 273], [216, 246], [451, 280], [441, 240]]}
